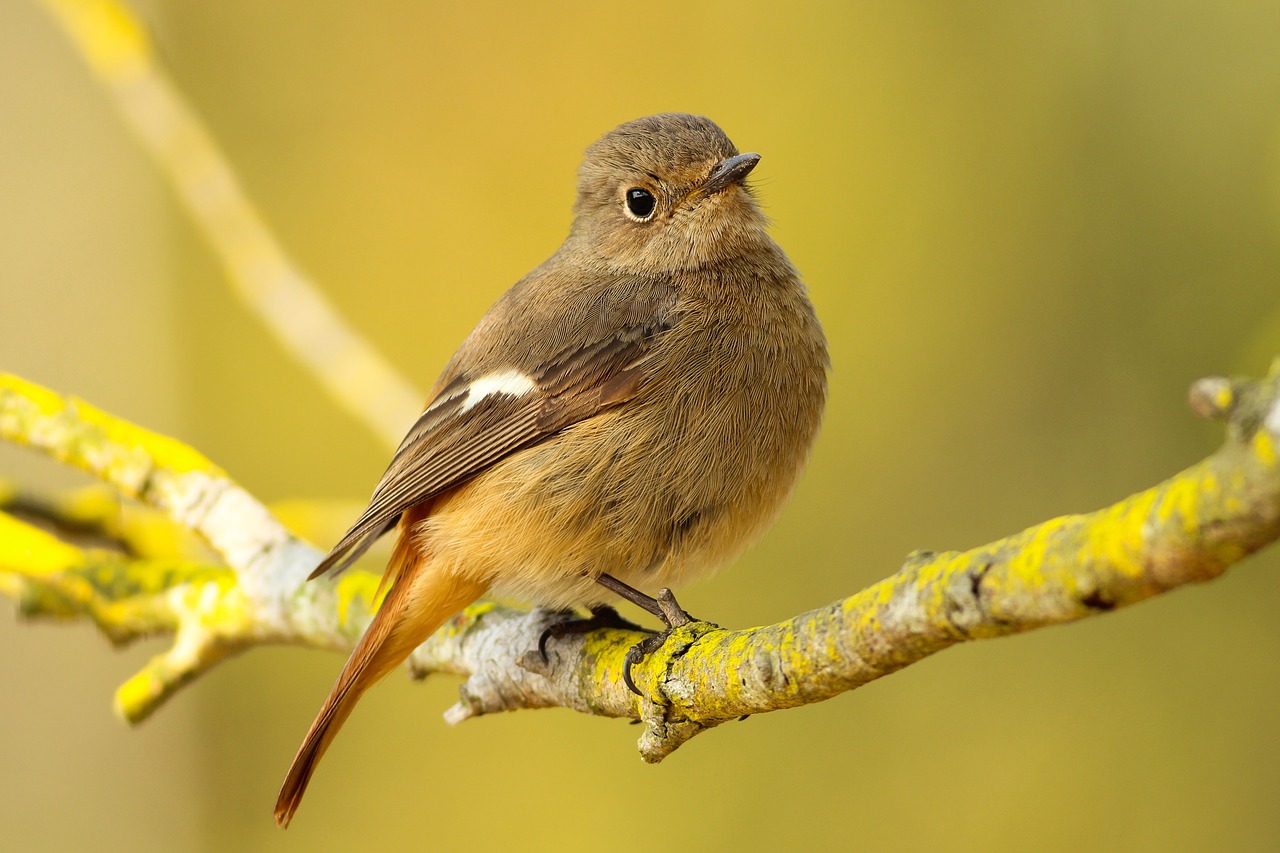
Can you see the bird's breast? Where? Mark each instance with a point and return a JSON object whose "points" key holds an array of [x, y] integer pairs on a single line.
{"points": [[663, 488]]}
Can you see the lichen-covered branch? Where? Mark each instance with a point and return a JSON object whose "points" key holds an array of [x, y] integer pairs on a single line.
{"points": [[1189, 528], [97, 515], [257, 596], [161, 473]]}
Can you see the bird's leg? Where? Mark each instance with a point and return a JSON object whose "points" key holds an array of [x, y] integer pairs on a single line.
{"points": [[665, 607]]}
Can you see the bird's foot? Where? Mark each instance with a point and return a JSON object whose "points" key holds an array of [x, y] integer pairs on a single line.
{"points": [[669, 611], [602, 616], [665, 607]]}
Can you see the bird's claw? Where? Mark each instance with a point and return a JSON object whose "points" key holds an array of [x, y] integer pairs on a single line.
{"points": [[602, 616], [675, 616], [638, 653]]}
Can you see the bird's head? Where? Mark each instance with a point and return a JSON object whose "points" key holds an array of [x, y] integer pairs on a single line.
{"points": [[666, 194]]}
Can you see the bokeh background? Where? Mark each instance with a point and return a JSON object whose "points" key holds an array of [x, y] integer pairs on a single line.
{"points": [[1027, 226]]}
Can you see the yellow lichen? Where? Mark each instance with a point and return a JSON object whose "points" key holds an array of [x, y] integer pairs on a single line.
{"points": [[1264, 446], [1026, 566], [1181, 501], [136, 695], [29, 551], [355, 586], [1116, 536], [116, 449], [1223, 398], [165, 453]]}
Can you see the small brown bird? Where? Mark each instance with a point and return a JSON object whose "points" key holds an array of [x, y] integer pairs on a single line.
{"points": [[632, 413]]}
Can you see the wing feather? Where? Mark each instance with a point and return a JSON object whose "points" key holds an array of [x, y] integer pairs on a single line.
{"points": [[457, 437]]}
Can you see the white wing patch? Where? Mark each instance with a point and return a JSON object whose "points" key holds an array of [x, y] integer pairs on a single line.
{"points": [[509, 383]]}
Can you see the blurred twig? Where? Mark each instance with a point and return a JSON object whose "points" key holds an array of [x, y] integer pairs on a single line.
{"points": [[1187, 529], [267, 281], [95, 516], [129, 597]]}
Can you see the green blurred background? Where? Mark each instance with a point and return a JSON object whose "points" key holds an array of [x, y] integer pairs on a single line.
{"points": [[1027, 226]]}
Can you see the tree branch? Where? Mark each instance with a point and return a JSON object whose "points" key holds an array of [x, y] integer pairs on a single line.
{"points": [[262, 275], [1187, 529]]}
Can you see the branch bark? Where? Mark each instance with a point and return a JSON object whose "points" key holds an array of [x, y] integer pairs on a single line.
{"points": [[1190, 528]]}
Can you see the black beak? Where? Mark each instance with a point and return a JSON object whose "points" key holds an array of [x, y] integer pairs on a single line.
{"points": [[728, 172]]}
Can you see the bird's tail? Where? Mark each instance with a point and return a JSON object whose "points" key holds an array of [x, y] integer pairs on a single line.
{"points": [[422, 596]]}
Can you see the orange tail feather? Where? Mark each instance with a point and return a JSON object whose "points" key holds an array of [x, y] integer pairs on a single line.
{"points": [[421, 598]]}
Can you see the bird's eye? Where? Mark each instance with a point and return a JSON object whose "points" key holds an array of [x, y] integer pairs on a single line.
{"points": [[640, 203]]}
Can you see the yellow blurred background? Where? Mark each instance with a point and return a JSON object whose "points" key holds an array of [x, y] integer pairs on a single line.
{"points": [[1027, 226]]}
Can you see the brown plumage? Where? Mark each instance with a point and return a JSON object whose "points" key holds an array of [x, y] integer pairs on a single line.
{"points": [[640, 405]]}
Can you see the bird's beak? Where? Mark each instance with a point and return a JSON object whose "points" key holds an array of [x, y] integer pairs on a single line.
{"points": [[728, 172]]}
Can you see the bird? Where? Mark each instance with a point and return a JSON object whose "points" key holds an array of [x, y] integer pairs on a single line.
{"points": [[632, 414]]}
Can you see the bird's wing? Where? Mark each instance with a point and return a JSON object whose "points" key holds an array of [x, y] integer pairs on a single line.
{"points": [[476, 420]]}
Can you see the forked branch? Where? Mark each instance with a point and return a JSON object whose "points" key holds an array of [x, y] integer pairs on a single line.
{"points": [[1189, 528]]}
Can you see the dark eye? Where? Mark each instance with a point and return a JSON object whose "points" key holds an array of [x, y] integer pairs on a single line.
{"points": [[640, 203]]}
